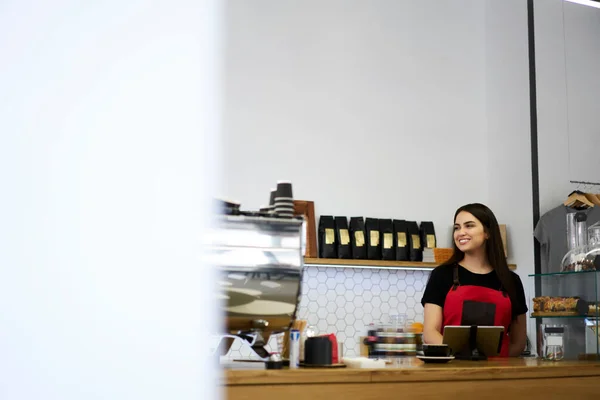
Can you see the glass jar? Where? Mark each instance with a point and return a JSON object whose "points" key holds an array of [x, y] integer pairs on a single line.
{"points": [[586, 258], [393, 339], [594, 235], [586, 255], [397, 322], [553, 345]]}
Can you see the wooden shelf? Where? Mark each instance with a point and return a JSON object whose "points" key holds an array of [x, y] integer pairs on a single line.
{"points": [[349, 263]]}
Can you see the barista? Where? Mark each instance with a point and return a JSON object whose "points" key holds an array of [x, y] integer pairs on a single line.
{"points": [[475, 287]]}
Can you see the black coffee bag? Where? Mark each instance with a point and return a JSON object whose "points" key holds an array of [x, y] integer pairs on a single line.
{"points": [[428, 235], [373, 242], [357, 238], [388, 249], [401, 240], [414, 241], [342, 235], [327, 242]]}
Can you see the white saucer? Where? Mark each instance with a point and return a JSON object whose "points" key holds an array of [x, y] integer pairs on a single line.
{"points": [[435, 359]]}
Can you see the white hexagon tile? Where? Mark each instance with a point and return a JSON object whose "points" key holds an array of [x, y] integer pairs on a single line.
{"points": [[345, 301], [358, 297]]}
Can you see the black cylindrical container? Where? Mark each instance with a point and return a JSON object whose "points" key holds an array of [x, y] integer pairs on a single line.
{"points": [[317, 351]]}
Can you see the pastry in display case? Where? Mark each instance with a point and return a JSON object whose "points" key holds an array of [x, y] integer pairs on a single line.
{"points": [[554, 306]]}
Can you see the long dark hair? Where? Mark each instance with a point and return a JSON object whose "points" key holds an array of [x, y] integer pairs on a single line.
{"points": [[494, 249]]}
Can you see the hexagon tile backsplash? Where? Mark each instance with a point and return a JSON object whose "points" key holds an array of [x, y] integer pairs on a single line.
{"points": [[345, 301]]}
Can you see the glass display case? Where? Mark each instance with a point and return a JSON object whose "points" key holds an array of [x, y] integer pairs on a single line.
{"points": [[567, 312]]}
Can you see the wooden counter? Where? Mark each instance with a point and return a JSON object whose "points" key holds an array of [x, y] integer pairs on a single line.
{"points": [[497, 379]]}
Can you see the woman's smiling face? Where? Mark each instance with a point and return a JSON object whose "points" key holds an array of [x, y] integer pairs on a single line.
{"points": [[469, 232]]}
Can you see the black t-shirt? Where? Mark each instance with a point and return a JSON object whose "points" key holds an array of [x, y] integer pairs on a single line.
{"points": [[442, 279]]}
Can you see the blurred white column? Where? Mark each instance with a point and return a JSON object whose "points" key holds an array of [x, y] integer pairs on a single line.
{"points": [[109, 117]]}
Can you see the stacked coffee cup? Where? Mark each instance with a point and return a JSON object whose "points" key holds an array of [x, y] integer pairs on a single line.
{"points": [[283, 199], [270, 209]]}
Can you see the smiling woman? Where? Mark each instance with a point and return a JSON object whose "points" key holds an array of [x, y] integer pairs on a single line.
{"points": [[475, 286]]}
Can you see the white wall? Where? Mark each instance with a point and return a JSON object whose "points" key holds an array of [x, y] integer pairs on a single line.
{"points": [[561, 95], [371, 108], [108, 119], [402, 109], [508, 126], [582, 60], [508, 117]]}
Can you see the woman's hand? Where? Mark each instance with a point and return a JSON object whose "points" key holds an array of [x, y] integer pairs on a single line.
{"points": [[432, 326]]}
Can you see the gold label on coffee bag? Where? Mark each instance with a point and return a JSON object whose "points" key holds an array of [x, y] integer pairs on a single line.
{"points": [[344, 237], [374, 238], [388, 240], [416, 241], [329, 236], [359, 236], [431, 241], [401, 239]]}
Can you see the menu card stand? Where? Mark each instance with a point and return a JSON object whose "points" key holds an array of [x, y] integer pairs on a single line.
{"points": [[471, 351]]}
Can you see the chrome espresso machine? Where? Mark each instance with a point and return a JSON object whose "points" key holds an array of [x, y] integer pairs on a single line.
{"points": [[260, 263]]}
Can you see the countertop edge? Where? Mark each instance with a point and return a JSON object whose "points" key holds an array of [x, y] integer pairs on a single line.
{"points": [[299, 376], [426, 374], [485, 373]]}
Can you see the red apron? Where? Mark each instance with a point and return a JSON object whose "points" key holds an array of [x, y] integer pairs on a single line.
{"points": [[478, 295]]}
